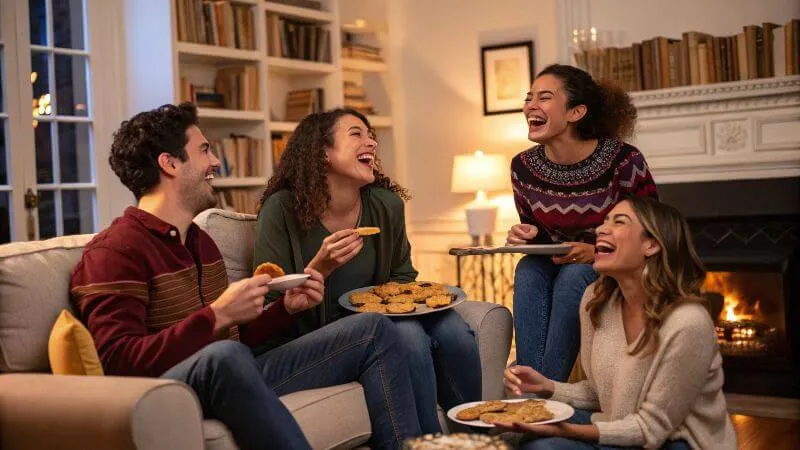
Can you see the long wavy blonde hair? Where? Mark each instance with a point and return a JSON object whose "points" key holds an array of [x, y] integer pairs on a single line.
{"points": [[670, 277]]}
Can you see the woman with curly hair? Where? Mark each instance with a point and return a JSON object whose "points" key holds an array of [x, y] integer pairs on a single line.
{"points": [[329, 181], [648, 345], [563, 187]]}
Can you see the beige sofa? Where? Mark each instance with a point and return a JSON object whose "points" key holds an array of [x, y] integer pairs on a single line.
{"points": [[41, 411]]}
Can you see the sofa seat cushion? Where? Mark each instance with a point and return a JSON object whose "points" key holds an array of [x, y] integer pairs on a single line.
{"points": [[217, 437], [34, 288], [331, 417]]}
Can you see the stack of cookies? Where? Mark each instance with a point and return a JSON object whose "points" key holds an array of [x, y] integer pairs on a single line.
{"points": [[402, 298], [527, 411]]}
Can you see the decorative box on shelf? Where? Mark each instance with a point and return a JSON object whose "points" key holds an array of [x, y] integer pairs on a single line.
{"points": [[736, 130]]}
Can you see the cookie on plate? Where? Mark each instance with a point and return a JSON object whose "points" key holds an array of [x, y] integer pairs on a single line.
{"points": [[402, 298], [373, 307], [438, 301], [362, 298], [388, 290], [271, 269], [400, 308]]}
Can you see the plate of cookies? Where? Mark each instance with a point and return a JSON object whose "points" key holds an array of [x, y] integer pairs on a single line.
{"points": [[533, 411], [403, 299]]}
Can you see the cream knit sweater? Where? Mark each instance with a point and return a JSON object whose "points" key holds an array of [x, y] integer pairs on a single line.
{"points": [[672, 393]]}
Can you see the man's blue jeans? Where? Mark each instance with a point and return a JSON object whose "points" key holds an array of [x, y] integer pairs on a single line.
{"points": [[546, 323], [443, 361], [242, 391], [583, 417]]}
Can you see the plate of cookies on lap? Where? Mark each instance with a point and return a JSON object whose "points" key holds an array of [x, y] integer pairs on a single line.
{"points": [[403, 299], [532, 411]]}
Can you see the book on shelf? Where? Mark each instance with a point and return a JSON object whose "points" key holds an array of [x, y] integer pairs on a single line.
{"points": [[296, 39], [310, 4], [235, 87], [303, 102], [243, 200], [220, 23], [357, 46], [759, 51], [240, 156], [356, 98], [279, 141]]}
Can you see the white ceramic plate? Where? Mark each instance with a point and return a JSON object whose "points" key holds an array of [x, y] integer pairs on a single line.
{"points": [[561, 412], [422, 308], [288, 281]]}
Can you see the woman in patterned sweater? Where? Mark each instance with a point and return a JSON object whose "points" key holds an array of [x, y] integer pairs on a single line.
{"points": [[563, 188]]}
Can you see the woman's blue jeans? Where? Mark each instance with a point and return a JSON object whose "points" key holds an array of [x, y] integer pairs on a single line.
{"points": [[546, 301]]}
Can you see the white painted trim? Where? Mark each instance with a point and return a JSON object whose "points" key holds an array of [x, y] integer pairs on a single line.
{"points": [[59, 50]]}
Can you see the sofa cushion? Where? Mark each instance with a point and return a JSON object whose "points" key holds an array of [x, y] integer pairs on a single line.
{"points": [[71, 348], [332, 417], [34, 288], [234, 233], [217, 437]]}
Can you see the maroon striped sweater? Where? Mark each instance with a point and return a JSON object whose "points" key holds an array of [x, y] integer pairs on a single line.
{"points": [[145, 296], [567, 202]]}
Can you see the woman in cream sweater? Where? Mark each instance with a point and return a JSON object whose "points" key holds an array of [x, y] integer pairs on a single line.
{"points": [[648, 345]]}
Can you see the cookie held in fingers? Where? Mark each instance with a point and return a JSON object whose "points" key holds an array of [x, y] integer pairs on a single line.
{"points": [[271, 269], [400, 308], [367, 231], [362, 298]]}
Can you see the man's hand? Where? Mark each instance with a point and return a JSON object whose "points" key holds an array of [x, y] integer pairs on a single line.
{"points": [[242, 302], [580, 253], [336, 250], [521, 233], [307, 295], [519, 379]]}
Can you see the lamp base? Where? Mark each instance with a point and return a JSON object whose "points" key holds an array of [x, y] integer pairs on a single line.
{"points": [[481, 222]]}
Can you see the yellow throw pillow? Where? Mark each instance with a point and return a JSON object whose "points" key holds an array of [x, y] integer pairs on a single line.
{"points": [[71, 348]]}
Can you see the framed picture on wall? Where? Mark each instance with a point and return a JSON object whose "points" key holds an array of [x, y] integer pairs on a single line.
{"points": [[507, 73]]}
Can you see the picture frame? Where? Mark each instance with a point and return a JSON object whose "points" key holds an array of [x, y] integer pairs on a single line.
{"points": [[506, 75]]}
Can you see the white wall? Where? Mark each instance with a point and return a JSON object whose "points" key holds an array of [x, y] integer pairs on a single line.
{"points": [[440, 85]]}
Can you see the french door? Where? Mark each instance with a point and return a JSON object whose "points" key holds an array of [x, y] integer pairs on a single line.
{"points": [[48, 181]]}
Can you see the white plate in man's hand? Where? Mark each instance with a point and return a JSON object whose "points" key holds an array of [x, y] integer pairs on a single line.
{"points": [[288, 281]]}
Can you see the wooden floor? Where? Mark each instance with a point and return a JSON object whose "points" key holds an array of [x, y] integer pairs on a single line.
{"points": [[757, 433]]}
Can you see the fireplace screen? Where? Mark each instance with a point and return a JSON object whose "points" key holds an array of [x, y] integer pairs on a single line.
{"points": [[748, 309]]}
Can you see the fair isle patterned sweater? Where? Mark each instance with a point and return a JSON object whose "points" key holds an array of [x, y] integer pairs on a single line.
{"points": [[567, 202]]}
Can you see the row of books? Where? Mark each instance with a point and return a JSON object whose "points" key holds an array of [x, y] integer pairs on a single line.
{"points": [[698, 58], [241, 200], [241, 156], [303, 102], [235, 87], [215, 23], [310, 4], [361, 51], [356, 98], [289, 38], [279, 141]]}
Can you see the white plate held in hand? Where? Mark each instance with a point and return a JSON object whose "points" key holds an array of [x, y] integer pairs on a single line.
{"points": [[288, 281]]}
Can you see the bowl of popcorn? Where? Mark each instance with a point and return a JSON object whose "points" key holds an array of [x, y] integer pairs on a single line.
{"points": [[455, 441]]}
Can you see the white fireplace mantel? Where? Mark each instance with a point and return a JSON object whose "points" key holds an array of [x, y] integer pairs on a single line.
{"points": [[737, 130]]}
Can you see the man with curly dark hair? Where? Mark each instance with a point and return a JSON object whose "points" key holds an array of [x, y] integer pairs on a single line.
{"points": [[153, 291]]}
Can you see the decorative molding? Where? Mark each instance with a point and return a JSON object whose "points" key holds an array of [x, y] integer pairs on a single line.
{"points": [[791, 136], [730, 136], [736, 90]]}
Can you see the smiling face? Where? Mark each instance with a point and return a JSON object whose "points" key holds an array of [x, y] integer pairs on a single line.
{"points": [[352, 156], [197, 172], [622, 245], [546, 110]]}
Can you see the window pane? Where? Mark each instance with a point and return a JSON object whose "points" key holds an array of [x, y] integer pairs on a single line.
{"points": [[3, 161], [71, 74], [68, 23], [38, 19], [41, 84], [5, 218], [44, 152], [47, 214], [75, 152], [78, 208]]}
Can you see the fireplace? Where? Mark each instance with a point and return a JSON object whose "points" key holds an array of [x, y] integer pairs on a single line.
{"points": [[748, 235]]}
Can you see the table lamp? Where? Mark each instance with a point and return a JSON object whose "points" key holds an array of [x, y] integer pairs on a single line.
{"points": [[479, 173]]}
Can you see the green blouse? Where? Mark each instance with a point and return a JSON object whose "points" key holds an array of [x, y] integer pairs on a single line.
{"points": [[386, 256]]}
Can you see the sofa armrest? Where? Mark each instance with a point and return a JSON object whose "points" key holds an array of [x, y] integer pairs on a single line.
{"points": [[84, 412], [493, 326]]}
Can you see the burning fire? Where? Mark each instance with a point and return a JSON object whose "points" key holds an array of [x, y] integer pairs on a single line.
{"points": [[735, 308]]}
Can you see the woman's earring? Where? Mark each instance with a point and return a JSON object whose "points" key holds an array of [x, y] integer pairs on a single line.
{"points": [[645, 270]]}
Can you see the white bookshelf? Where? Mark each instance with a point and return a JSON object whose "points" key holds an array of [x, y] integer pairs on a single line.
{"points": [[150, 24]]}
